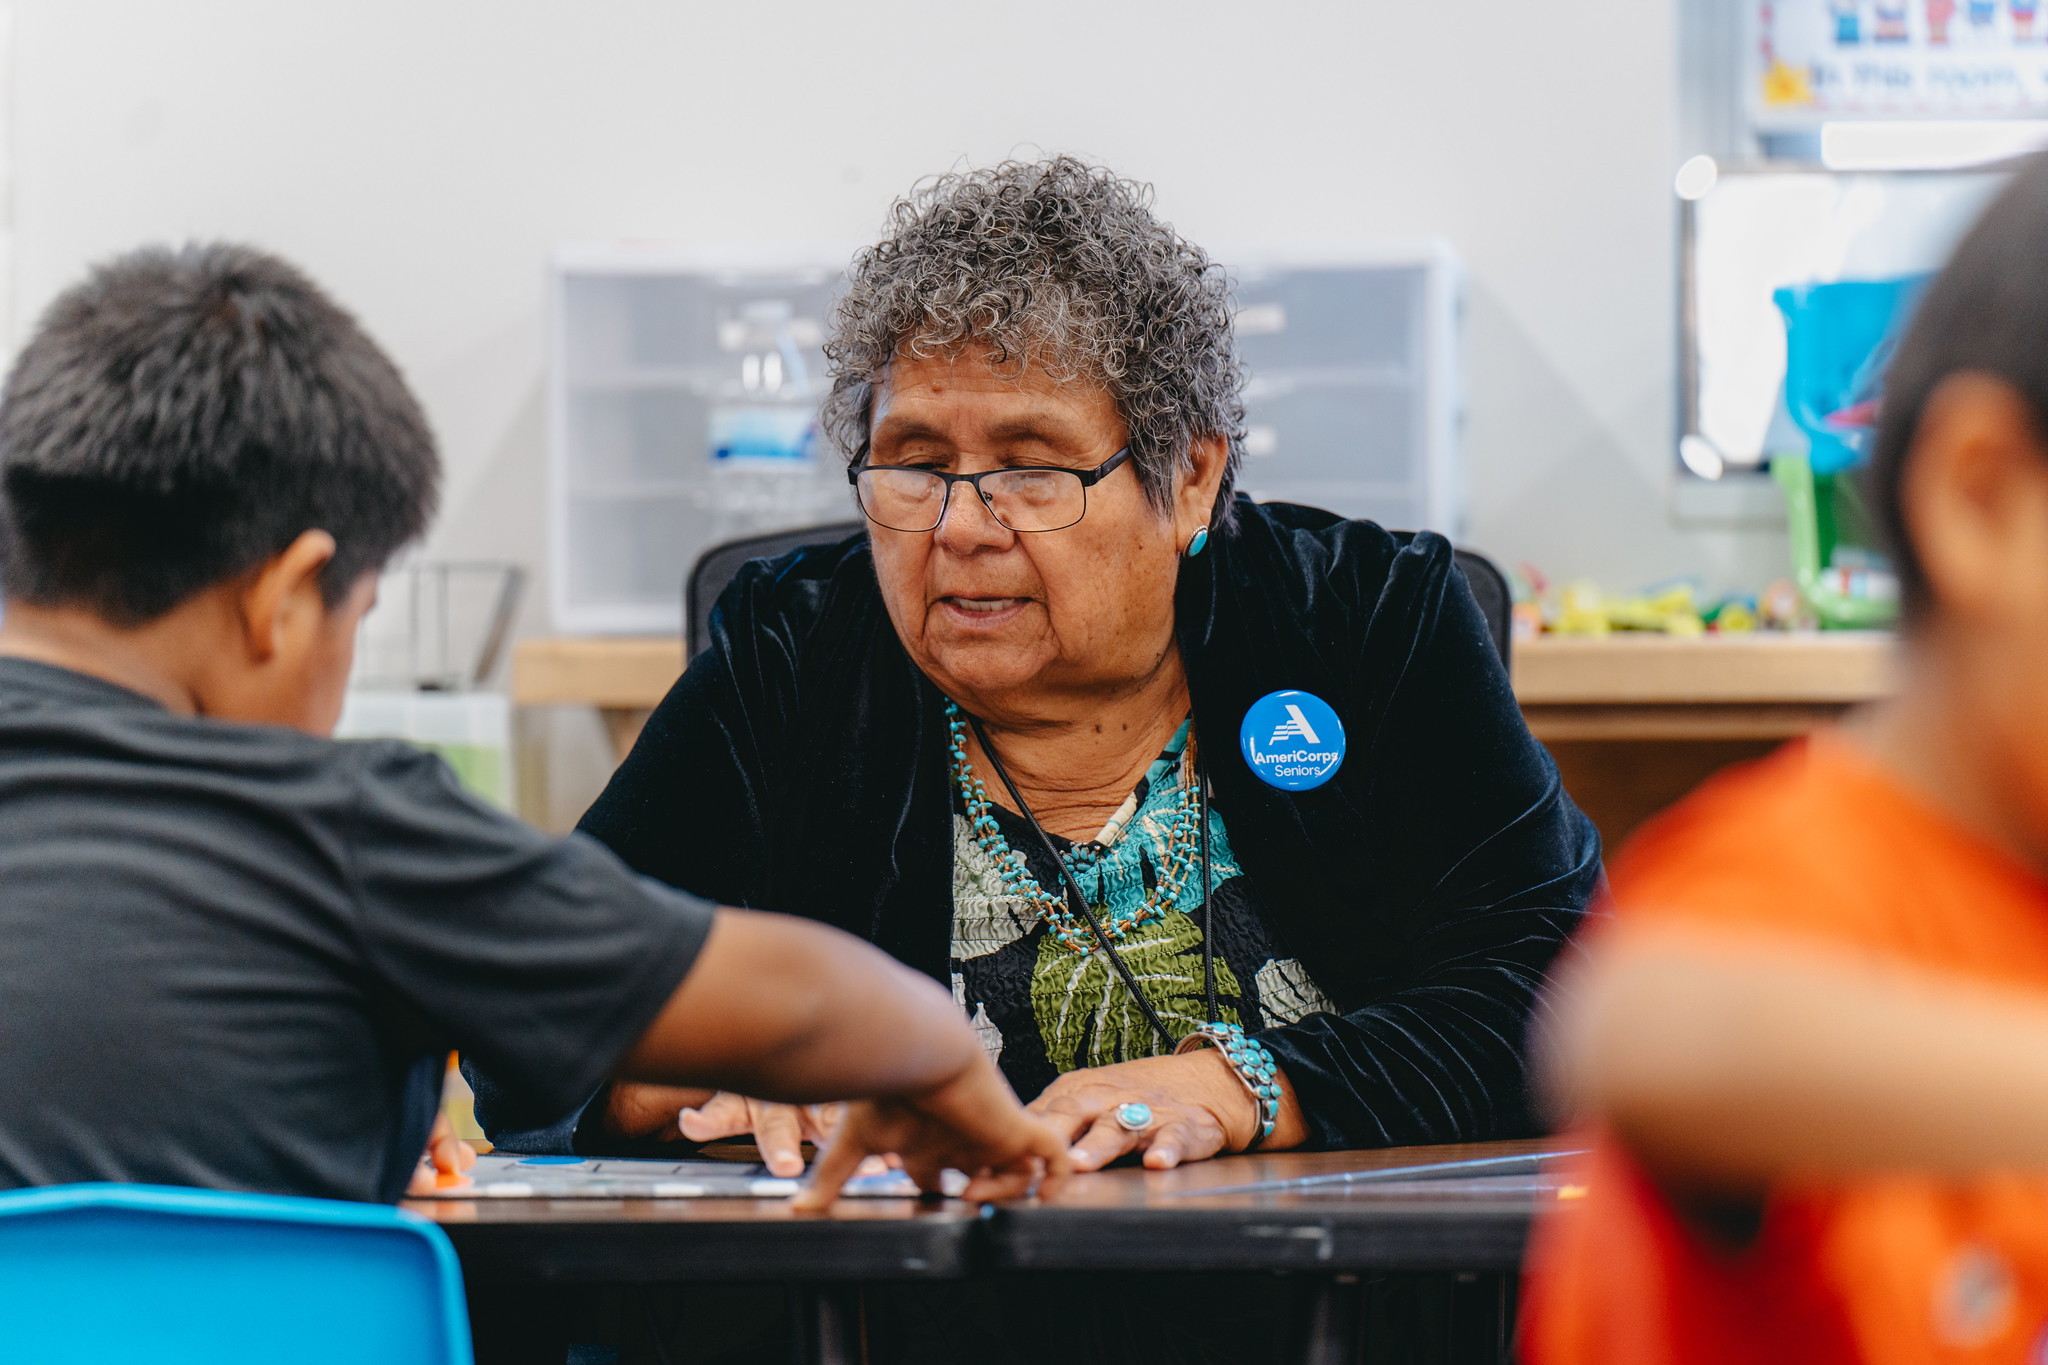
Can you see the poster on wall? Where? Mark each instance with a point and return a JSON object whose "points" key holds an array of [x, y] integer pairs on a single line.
{"points": [[1821, 59]]}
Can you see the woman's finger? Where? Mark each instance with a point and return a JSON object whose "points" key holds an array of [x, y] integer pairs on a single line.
{"points": [[1104, 1142], [1069, 1114], [1172, 1143], [724, 1115], [1064, 1096], [778, 1132]]}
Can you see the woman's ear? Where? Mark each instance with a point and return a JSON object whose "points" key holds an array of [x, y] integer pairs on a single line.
{"points": [[1195, 491]]}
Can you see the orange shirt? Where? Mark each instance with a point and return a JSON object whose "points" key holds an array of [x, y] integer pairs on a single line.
{"points": [[1814, 841]]}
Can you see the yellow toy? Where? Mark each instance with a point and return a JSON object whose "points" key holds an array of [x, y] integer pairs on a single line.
{"points": [[1583, 610]]}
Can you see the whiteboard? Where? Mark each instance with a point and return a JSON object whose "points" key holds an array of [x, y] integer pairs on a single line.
{"points": [[1758, 231]]}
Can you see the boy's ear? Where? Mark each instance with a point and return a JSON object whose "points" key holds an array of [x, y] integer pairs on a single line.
{"points": [[1975, 494], [280, 594]]}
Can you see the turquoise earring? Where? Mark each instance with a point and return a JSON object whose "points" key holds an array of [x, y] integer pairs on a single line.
{"points": [[1196, 541]]}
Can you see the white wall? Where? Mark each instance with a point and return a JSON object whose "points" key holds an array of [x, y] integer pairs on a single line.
{"points": [[421, 157]]}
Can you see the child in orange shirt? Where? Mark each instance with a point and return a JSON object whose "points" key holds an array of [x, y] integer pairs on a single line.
{"points": [[1812, 1041]]}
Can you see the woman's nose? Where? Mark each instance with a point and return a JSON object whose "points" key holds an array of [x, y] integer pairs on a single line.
{"points": [[967, 521]]}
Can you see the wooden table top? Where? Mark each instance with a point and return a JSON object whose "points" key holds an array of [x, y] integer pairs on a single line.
{"points": [[1835, 667], [1219, 1215], [1299, 1210]]}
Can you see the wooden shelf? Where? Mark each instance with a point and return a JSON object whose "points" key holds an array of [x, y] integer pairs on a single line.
{"points": [[1716, 687], [1732, 689], [1637, 721], [1640, 672], [1831, 668], [630, 671]]}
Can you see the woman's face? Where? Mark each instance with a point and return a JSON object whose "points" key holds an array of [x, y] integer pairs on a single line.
{"points": [[1023, 626]]}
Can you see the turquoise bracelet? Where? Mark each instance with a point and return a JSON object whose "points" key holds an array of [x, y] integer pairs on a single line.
{"points": [[1252, 1063]]}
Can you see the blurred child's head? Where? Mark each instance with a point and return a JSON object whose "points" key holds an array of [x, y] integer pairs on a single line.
{"points": [[1960, 482], [1960, 452], [198, 422]]}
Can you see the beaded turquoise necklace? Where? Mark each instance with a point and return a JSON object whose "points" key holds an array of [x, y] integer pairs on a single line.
{"points": [[1178, 859]]}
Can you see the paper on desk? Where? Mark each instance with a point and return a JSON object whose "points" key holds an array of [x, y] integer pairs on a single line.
{"points": [[508, 1176]]}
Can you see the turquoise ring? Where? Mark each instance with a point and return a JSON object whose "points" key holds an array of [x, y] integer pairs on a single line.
{"points": [[1133, 1117]]}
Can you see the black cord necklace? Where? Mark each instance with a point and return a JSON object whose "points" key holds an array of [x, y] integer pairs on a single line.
{"points": [[1077, 903]]}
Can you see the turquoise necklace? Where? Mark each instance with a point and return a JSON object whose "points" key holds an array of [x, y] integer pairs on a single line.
{"points": [[1178, 860]]}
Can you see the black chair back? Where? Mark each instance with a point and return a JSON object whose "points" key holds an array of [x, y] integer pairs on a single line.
{"points": [[1490, 590], [720, 564]]}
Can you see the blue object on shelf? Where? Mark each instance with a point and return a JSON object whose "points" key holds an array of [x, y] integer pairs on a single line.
{"points": [[1838, 340], [126, 1273], [778, 434]]}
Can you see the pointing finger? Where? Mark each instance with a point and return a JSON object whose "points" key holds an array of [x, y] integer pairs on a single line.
{"points": [[834, 1166]]}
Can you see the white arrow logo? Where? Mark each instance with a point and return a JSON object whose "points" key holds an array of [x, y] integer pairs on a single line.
{"points": [[1297, 724]]}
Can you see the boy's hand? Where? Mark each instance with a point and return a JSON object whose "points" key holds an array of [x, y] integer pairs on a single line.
{"points": [[971, 1123], [443, 1163], [677, 1113], [779, 1130], [647, 1113]]}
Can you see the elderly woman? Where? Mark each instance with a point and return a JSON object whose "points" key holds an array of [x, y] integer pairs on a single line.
{"points": [[1022, 734]]}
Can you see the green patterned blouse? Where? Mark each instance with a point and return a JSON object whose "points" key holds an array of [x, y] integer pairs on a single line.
{"points": [[1043, 1008]]}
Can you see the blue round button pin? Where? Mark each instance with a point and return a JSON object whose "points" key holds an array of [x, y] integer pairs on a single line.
{"points": [[1292, 740]]}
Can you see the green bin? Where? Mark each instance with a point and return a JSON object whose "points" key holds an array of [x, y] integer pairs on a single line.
{"points": [[1825, 511]]}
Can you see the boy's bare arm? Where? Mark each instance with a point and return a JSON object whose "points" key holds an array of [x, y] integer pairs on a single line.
{"points": [[788, 1009], [1729, 1063]]}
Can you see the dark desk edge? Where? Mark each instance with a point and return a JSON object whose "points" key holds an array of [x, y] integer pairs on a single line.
{"points": [[1420, 1237], [1410, 1237], [675, 1252]]}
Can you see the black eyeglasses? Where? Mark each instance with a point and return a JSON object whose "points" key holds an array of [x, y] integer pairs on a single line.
{"points": [[1031, 498]]}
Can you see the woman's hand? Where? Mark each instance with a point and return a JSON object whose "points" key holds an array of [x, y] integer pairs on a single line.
{"points": [[971, 1123], [1199, 1108]]}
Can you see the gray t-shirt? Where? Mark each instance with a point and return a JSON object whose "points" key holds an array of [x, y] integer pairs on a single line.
{"points": [[237, 956]]}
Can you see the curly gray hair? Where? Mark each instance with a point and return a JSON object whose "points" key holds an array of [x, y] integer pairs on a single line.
{"points": [[1057, 264]]}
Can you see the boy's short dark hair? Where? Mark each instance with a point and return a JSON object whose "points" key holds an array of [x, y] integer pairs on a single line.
{"points": [[1986, 313], [182, 416]]}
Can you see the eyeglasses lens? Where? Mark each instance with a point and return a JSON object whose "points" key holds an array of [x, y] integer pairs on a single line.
{"points": [[902, 499], [1021, 499]]}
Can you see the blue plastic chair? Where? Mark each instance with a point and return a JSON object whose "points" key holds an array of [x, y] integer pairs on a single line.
{"points": [[132, 1273]]}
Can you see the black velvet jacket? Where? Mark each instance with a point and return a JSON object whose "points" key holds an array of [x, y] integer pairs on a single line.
{"points": [[800, 765]]}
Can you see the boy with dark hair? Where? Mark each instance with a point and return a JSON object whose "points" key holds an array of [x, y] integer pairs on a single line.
{"points": [[234, 953], [1814, 1039]]}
